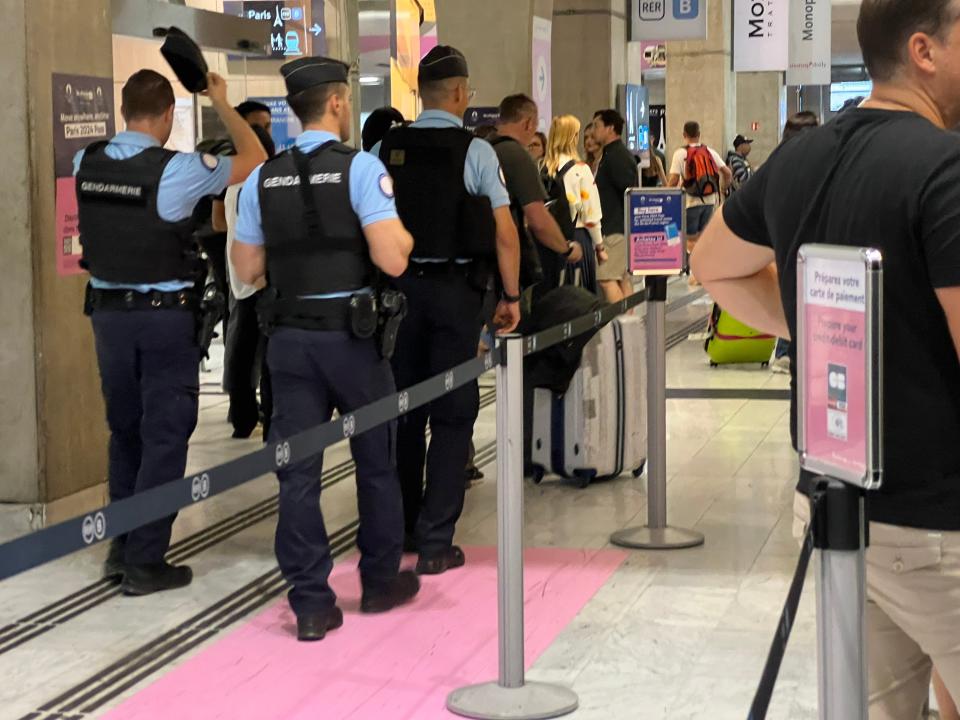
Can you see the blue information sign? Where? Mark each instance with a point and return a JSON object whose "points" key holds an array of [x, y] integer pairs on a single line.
{"points": [[477, 116], [284, 127], [656, 226]]}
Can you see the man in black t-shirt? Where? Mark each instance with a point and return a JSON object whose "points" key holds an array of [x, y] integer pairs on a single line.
{"points": [[886, 175], [515, 130]]}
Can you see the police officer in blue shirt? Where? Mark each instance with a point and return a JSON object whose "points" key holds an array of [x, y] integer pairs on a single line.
{"points": [[136, 201], [452, 196], [320, 222]]}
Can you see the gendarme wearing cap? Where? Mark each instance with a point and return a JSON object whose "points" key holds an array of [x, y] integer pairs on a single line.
{"points": [[441, 63], [309, 72]]}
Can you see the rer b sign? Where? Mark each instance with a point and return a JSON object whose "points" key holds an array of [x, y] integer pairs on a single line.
{"points": [[669, 19]]}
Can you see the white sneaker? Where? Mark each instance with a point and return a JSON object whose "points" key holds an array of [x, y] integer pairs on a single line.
{"points": [[781, 366]]}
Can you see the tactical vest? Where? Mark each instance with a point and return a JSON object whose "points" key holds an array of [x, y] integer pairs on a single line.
{"points": [[124, 238], [313, 239], [427, 166]]}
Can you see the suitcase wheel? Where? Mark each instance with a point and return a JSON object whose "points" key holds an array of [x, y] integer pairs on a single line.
{"points": [[639, 471], [538, 473], [765, 364], [713, 364], [584, 478]]}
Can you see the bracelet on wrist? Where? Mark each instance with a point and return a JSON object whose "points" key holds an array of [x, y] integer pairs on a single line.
{"points": [[508, 298], [569, 251]]}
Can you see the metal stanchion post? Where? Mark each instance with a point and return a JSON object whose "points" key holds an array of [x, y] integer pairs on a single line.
{"points": [[511, 698], [656, 534], [840, 534]]}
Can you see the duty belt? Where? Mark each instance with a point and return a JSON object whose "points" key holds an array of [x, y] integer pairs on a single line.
{"points": [[129, 300], [331, 314]]}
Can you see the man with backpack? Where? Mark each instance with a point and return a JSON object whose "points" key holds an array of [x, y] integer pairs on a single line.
{"points": [[701, 172], [528, 198]]}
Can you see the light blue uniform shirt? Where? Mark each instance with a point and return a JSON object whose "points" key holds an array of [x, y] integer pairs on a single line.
{"points": [[187, 179], [482, 175], [371, 196]]}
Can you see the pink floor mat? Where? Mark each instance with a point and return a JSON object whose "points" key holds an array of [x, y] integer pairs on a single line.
{"points": [[386, 667]]}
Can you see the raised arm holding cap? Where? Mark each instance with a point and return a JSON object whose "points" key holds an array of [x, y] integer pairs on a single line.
{"points": [[250, 152]]}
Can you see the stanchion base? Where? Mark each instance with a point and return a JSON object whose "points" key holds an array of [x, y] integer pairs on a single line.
{"points": [[646, 538], [533, 701]]}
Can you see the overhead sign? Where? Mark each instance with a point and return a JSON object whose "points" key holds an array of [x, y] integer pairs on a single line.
{"points": [[296, 28], [542, 70], [810, 43], [668, 19], [839, 292], [760, 35], [655, 223]]}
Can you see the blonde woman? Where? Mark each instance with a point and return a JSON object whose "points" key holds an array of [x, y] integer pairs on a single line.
{"points": [[564, 160]]}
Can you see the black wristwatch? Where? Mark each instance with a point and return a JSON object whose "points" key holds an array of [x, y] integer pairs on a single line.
{"points": [[569, 251], [508, 298]]}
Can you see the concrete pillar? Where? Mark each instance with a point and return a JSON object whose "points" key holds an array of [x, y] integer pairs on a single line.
{"points": [[758, 101], [700, 83], [497, 38], [54, 433], [589, 55], [19, 458]]}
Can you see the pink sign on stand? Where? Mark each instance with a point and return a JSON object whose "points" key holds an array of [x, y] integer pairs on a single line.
{"points": [[840, 335]]}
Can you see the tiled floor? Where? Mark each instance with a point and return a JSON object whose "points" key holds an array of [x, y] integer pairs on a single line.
{"points": [[672, 635]]}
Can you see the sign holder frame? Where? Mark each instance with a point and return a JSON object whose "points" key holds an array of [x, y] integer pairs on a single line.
{"points": [[839, 522], [656, 534], [873, 339], [628, 226]]}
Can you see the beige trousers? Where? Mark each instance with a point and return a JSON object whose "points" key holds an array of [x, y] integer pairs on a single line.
{"points": [[913, 614]]}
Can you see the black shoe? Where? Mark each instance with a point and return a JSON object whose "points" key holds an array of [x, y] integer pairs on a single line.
{"points": [[402, 589], [437, 564], [113, 566], [155, 577], [474, 473], [312, 627]]}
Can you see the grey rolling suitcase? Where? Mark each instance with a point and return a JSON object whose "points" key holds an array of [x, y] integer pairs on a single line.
{"points": [[598, 428]]}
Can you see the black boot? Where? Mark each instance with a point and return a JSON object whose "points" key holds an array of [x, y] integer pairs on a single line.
{"points": [[312, 627], [399, 591], [437, 564], [113, 566], [155, 577]]}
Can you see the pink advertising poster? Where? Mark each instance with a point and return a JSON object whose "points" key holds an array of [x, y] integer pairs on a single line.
{"points": [[656, 232], [835, 365], [68, 231]]}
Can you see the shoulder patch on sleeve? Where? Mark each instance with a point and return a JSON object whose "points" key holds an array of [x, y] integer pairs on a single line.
{"points": [[386, 185], [210, 162]]}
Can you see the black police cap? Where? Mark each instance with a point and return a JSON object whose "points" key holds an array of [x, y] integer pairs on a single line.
{"points": [[441, 63], [309, 72], [185, 59]]}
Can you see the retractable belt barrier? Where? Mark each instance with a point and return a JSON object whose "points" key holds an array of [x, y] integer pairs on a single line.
{"points": [[118, 518], [771, 669]]}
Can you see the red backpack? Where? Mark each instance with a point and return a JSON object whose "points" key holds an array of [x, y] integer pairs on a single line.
{"points": [[701, 176]]}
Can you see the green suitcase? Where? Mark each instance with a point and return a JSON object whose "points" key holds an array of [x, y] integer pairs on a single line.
{"points": [[732, 343]]}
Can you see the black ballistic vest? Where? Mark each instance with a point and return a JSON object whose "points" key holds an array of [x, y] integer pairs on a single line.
{"points": [[314, 241], [124, 238], [427, 166]]}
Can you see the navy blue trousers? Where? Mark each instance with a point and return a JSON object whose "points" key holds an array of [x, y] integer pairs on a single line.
{"points": [[441, 330], [149, 371], [312, 374]]}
